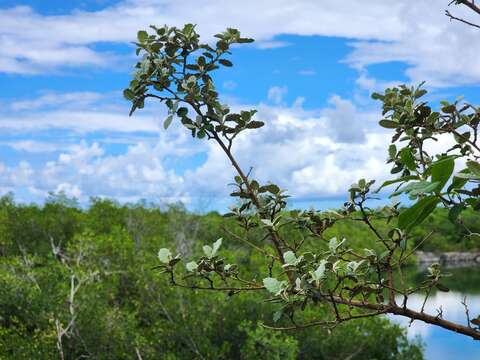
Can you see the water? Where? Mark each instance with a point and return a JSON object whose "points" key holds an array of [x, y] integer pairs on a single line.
{"points": [[441, 344]]}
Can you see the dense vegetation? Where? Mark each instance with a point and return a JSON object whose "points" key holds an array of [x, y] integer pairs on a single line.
{"points": [[122, 309], [123, 306], [449, 236]]}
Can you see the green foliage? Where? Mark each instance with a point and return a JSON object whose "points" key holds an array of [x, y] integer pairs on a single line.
{"points": [[445, 235], [265, 344], [122, 305], [340, 344], [176, 70], [421, 174]]}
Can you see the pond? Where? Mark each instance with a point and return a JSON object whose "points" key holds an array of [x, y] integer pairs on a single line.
{"points": [[442, 344]]}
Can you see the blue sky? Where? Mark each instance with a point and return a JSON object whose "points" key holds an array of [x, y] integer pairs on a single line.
{"points": [[65, 127]]}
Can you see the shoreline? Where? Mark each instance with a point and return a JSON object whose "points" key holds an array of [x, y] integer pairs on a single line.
{"points": [[449, 259]]}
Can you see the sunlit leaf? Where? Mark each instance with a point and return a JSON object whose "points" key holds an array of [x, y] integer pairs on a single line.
{"points": [[164, 255]]}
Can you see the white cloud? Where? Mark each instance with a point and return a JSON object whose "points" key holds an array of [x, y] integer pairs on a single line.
{"points": [[33, 146], [86, 170], [69, 190], [416, 33], [435, 49], [313, 153], [66, 100], [299, 151], [271, 44], [276, 94], [366, 82], [15, 176], [345, 123], [78, 121], [79, 113]]}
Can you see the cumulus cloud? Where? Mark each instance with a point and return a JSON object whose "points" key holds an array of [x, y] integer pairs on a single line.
{"points": [[345, 123], [429, 44], [15, 176], [313, 153], [85, 170], [416, 33], [31, 41], [298, 150]]}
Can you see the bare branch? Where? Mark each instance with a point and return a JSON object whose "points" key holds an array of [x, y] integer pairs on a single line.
{"points": [[468, 3]]}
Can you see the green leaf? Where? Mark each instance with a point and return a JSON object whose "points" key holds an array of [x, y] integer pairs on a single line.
{"points": [[455, 212], [216, 246], [267, 222], [416, 188], [389, 124], [207, 250], [319, 273], [167, 122], [353, 266], [255, 124], [142, 36], [442, 287], [449, 109], [474, 167], [191, 266], [402, 179], [222, 45], [467, 176], [182, 111], [457, 183], [298, 284], [187, 29], [392, 151], [407, 158], [128, 94], [245, 40], [272, 188], [308, 256], [419, 93], [290, 258], [414, 215], [333, 244], [370, 254], [225, 62], [441, 171], [229, 266], [273, 285], [201, 133], [164, 255], [210, 251]]}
